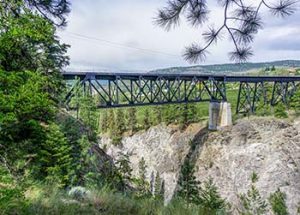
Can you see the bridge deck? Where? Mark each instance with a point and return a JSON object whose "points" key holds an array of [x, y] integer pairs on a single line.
{"points": [[173, 76]]}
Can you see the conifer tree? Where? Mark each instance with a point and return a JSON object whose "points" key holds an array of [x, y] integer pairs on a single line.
{"points": [[124, 167], [210, 199], [132, 119], [158, 114], [146, 119], [159, 187], [277, 202], [295, 102], [111, 120], [252, 202], [104, 122], [192, 113], [188, 184], [55, 156], [280, 111], [142, 182], [120, 121]]}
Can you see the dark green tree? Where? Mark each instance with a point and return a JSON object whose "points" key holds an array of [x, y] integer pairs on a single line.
{"points": [[210, 199], [252, 202], [146, 119], [280, 111], [295, 102], [124, 167], [158, 114], [104, 123], [277, 202], [55, 157], [188, 185], [132, 120]]}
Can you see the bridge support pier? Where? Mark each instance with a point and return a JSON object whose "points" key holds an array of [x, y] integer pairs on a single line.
{"points": [[219, 115]]}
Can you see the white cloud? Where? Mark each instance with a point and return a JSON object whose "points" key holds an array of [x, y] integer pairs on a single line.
{"points": [[130, 22]]}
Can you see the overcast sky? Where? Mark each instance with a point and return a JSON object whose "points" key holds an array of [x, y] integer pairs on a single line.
{"points": [[120, 35]]}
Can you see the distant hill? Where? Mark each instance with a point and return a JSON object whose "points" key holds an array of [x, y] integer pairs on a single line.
{"points": [[229, 68]]}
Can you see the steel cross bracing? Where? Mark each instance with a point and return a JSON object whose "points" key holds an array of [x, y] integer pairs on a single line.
{"points": [[127, 89]]}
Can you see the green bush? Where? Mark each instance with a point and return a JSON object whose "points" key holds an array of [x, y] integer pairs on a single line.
{"points": [[277, 202]]}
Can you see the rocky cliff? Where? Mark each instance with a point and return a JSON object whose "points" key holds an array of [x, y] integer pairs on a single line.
{"points": [[268, 147]]}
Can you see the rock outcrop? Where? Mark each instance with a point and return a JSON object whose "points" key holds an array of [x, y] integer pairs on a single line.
{"points": [[268, 147]]}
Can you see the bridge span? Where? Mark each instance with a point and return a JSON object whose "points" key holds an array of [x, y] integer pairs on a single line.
{"points": [[137, 89]]}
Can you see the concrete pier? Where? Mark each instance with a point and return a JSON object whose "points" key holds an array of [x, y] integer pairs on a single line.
{"points": [[219, 115]]}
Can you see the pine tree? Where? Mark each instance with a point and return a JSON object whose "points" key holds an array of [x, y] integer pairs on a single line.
{"points": [[192, 113], [295, 102], [146, 119], [55, 156], [120, 121], [252, 202], [111, 121], [124, 167], [88, 112], [158, 113], [157, 185], [142, 182], [210, 199], [132, 119], [104, 122], [188, 184], [280, 111], [277, 202]]}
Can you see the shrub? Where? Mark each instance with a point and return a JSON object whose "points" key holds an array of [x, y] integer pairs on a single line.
{"points": [[277, 202]]}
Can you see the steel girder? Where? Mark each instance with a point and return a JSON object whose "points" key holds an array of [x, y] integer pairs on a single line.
{"points": [[251, 93], [122, 91]]}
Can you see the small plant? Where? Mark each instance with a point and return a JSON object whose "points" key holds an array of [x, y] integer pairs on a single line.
{"points": [[252, 202], [277, 202], [254, 177]]}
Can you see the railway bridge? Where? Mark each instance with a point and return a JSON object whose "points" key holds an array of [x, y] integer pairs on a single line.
{"points": [[138, 89]]}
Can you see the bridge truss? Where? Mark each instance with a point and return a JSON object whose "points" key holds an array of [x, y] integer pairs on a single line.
{"points": [[124, 90]]}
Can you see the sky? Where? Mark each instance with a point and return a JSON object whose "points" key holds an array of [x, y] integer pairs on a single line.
{"points": [[121, 35]]}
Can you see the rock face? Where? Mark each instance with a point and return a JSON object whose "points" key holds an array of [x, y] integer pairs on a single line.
{"points": [[268, 147]]}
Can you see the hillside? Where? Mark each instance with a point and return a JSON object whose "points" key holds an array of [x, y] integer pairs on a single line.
{"points": [[229, 68]]}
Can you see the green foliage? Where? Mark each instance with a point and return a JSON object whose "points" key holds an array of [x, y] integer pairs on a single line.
{"points": [[295, 102], [88, 112], [188, 184], [146, 120], [252, 203], [159, 187], [254, 177], [104, 122], [132, 119], [210, 199], [55, 157], [280, 111], [277, 202], [124, 167]]}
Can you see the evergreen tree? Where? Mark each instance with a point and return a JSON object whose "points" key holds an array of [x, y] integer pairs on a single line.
{"points": [[188, 184], [277, 202], [88, 112], [146, 119], [55, 156], [111, 121], [158, 114], [142, 182], [132, 120], [210, 199], [120, 121], [192, 113], [159, 187], [124, 167], [252, 202], [104, 122], [295, 102], [280, 111]]}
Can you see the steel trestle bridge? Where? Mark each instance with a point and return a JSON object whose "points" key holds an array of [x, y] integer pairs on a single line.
{"points": [[137, 89]]}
